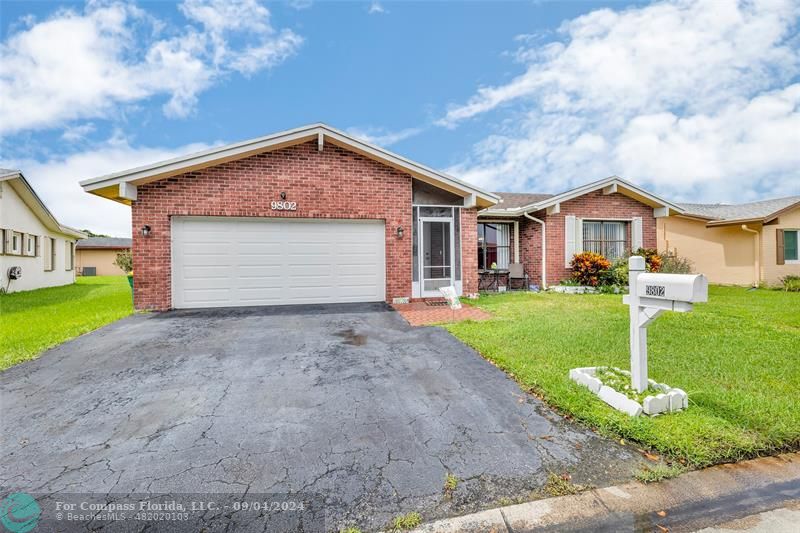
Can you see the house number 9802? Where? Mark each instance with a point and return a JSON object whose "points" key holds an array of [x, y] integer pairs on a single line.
{"points": [[284, 206]]}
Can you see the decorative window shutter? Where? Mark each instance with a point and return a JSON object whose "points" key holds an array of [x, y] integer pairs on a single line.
{"points": [[780, 248], [37, 248], [569, 239], [578, 235], [636, 234]]}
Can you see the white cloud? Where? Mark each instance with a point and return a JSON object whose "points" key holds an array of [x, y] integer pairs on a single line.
{"points": [[383, 137], [78, 132], [300, 4], [56, 182], [376, 8], [693, 99], [115, 53]]}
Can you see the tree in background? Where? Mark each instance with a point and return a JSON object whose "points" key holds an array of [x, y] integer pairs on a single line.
{"points": [[124, 261]]}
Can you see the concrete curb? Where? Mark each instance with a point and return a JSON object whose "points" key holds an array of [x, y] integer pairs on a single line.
{"points": [[692, 501]]}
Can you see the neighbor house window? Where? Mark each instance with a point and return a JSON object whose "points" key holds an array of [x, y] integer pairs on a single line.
{"points": [[609, 239], [494, 244], [790, 245], [69, 250], [49, 253], [30, 245], [16, 243]]}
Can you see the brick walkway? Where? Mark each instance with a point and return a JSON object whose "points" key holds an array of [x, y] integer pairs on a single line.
{"points": [[422, 314]]}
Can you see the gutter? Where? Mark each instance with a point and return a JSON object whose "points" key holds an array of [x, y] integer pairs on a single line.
{"points": [[756, 254], [544, 249]]}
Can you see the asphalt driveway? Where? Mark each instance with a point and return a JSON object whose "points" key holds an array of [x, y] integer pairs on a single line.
{"points": [[346, 406]]}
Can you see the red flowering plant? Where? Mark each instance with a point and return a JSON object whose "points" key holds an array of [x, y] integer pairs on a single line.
{"points": [[651, 258], [589, 268]]}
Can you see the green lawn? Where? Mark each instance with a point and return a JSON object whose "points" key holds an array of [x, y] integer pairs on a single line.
{"points": [[738, 358], [33, 321]]}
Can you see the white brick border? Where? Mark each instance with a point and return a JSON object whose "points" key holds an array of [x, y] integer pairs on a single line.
{"points": [[669, 400]]}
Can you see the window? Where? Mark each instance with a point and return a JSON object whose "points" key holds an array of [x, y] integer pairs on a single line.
{"points": [[49, 254], [609, 239], [494, 245], [30, 245], [69, 257], [16, 243], [790, 245]]}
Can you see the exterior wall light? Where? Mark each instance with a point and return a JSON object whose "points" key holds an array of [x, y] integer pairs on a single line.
{"points": [[145, 230], [400, 232]]}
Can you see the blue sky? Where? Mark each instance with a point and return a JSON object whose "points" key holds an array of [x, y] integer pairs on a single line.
{"points": [[696, 101]]}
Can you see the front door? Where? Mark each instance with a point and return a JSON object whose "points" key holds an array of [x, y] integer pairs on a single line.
{"points": [[437, 255]]}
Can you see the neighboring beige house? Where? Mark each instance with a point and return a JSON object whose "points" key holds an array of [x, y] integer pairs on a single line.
{"points": [[95, 256], [746, 244], [32, 239]]}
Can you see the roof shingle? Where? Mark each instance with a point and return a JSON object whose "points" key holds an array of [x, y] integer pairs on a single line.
{"points": [[748, 211]]}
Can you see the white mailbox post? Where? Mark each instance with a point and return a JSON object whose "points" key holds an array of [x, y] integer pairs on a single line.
{"points": [[649, 296]]}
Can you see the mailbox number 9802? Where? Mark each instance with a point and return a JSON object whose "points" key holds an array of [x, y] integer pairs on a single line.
{"points": [[283, 206]]}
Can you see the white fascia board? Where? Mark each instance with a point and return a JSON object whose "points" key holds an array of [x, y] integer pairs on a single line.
{"points": [[619, 186], [241, 149], [199, 158], [38, 207], [412, 166]]}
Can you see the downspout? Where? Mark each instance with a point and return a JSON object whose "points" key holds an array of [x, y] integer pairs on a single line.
{"points": [[544, 249], [756, 255]]}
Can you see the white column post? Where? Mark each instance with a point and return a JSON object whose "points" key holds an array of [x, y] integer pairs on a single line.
{"points": [[638, 335]]}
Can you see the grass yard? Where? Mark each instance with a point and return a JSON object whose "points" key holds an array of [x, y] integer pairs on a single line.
{"points": [[737, 357], [33, 321]]}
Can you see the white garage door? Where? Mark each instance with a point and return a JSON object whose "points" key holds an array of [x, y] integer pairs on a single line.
{"points": [[225, 262]]}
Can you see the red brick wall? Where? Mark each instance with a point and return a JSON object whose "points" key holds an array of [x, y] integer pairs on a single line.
{"points": [[334, 183], [469, 247], [593, 205]]}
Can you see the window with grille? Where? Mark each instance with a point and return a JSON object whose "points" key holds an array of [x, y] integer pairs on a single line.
{"points": [[607, 238]]}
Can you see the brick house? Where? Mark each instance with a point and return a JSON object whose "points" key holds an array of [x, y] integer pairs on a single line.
{"points": [[313, 215], [544, 231]]}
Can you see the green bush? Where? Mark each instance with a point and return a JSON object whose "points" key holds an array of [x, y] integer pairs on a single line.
{"points": [[589, 268], [791, 283], [672, 263]]}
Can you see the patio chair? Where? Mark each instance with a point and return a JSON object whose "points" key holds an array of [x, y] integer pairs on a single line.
{"points": [[517, 274]]}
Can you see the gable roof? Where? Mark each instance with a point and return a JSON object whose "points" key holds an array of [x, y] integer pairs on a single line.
{"points": [[21, 186], [109, 243], [721, 214], [108, 186], [517, 205]]}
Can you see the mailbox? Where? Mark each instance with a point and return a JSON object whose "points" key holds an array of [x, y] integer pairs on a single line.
{"points": [[689, 288]]}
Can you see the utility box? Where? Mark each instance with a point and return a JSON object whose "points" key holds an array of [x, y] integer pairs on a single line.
{"points": [[690, 288]]}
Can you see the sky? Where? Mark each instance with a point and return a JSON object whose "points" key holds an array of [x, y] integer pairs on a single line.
{"points": [[695, 101]]}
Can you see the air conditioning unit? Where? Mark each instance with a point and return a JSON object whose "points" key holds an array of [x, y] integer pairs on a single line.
{"points": [[14, 273]]}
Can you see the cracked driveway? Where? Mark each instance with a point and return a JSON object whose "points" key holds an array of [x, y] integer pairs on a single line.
{"points": [[346, 402]]}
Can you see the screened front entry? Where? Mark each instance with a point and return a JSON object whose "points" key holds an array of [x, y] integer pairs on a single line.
{"points": [[436, 252]]}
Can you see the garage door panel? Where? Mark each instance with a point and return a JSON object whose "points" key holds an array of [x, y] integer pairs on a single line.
{"points": [[219, 261]]}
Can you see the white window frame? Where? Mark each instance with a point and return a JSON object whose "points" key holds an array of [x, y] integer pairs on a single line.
{"points": [[30, 245], [16, 237], [791, 261], [627, 242]]}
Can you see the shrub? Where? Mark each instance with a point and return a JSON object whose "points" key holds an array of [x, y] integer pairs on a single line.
{"points": [[791, 283], [651, 258], [672, 263], [124, 261], [589, 268]]}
